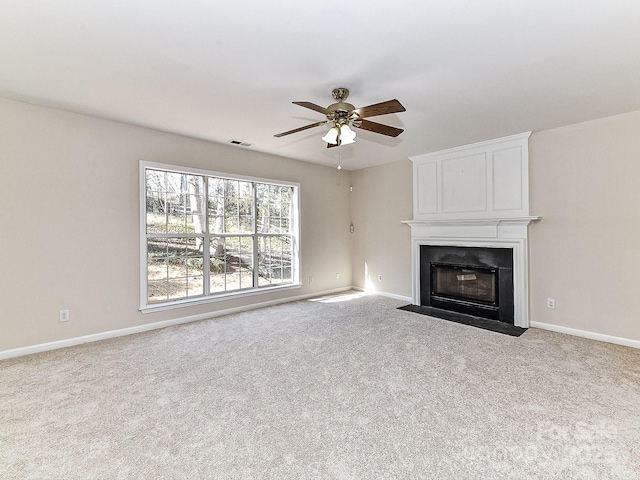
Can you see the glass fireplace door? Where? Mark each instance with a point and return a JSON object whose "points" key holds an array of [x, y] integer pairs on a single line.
{"points": [[471, 284]]}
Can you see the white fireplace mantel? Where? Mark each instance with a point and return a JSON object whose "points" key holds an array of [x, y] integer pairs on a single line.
{"points": [[488, 233], [475, 196]]}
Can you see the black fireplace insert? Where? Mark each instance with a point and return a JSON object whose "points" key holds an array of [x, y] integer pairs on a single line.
{"points": [[474, 281]]}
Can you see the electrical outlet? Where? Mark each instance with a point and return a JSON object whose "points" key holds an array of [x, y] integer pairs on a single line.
{"points": [[551, 303], [310, 278], [379, 278], [337, 276], [64, 315]]}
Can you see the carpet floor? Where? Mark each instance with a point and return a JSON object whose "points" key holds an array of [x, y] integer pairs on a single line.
{"points": [[343, 387]]}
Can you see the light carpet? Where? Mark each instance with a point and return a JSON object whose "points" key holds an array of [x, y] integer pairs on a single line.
{"points": [[346, 387]]}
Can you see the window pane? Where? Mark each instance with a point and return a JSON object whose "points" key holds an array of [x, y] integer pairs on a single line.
{"points": [[262, 207], [157, 291], [217, 265], [246, 223], [275, 260], [230, 206], [231, 263], [157, 247], [156, 201], [156, 215], [174, 202], [176, 221], [274, 225], [231, 224], [216, 222], [273, 208], [174, 268]]}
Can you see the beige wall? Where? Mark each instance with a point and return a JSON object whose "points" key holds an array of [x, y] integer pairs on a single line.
{"points": [[381, 199], [584, 252], [69, 221], [70, 229]]}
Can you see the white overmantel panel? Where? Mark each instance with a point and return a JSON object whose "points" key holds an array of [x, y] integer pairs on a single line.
{"points": [[482, 180]]}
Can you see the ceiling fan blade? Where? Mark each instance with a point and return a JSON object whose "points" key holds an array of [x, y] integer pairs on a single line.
{"points": [[382, 108], [379, 128], [313, 106], [296, 130], [331, 145]]}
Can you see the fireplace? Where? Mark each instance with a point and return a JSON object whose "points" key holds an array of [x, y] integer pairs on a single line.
{"points": [[475, 281], [472, 202]]}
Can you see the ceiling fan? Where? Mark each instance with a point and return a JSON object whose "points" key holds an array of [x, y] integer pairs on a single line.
{"points": [[342, 115]]}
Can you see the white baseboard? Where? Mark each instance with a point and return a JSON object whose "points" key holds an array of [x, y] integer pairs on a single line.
{"points": [[43, 347], [70, 342], [385, 294], [627, 342], [396, 297]]}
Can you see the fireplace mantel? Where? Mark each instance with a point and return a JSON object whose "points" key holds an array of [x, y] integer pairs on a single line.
{"points": [[471, 227], [475, 196], [489, 233]]}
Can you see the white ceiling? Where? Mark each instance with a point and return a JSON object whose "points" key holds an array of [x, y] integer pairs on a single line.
{"points": [[466, 71]]}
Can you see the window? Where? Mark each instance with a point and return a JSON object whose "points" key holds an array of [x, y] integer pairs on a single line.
{"points": [[207, 235]]}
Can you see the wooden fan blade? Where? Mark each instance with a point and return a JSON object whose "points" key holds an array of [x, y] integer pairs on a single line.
{"points": [[296, 130], [313, 106], [382, 108], [379, 128]]}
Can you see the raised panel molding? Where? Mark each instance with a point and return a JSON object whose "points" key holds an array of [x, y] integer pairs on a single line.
{"points": [[509, 183], [461, 190], [482, 180], [427, 197]]}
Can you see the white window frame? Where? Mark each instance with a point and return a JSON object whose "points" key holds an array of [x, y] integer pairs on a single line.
{"points": [[146, 307]]}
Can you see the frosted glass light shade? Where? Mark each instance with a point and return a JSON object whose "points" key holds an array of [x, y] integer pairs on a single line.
{"points": [[347, 135], [331, 136]]}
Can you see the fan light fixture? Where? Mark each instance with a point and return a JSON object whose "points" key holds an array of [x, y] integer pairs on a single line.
{"points": [[347, 135], [340, 135], [331, 136]]}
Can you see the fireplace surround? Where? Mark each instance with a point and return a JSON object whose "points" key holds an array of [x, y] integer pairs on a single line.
{"points": [[508, 234], [473, 199]]}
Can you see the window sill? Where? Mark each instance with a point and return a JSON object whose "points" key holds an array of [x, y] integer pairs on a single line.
{"points": [[190, 302]]}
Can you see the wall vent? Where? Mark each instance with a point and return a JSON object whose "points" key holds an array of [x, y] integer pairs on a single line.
{"points": [[242, 144]]}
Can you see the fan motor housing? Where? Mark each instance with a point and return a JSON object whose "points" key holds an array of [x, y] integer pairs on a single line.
{"points": [[340, 109]]}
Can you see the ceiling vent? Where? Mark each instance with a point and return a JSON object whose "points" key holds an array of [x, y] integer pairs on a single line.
{"points": [[238, 142]]}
